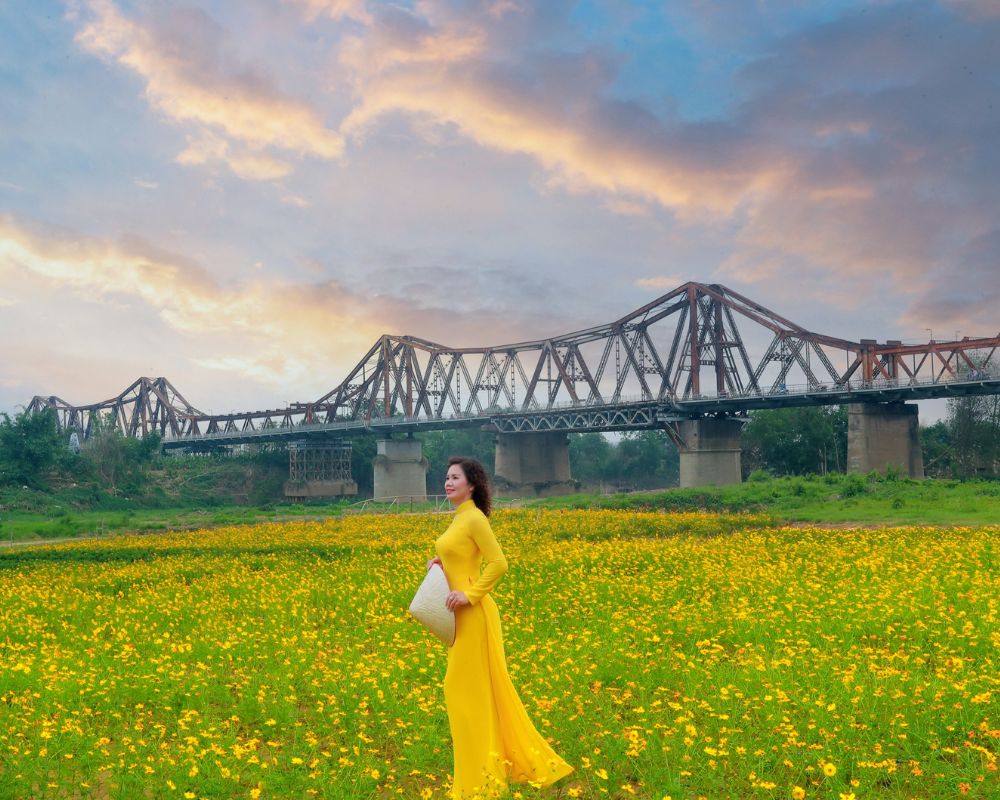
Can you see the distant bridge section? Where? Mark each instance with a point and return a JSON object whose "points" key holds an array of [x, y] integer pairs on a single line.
{"points": [[701, 351]]}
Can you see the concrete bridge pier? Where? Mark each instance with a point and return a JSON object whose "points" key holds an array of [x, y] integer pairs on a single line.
{"points": [[400, 469], [884, 434], [710, 451], [533, 465]]}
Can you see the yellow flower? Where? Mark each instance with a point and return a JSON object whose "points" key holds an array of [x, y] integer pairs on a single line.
{"points": [[847, 796], [829, 769], [798, 793]]}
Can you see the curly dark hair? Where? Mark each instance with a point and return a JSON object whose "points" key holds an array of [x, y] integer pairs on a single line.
{"points": [[475, 474]]}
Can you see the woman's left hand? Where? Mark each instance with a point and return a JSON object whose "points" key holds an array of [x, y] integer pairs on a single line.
{"points": [[456, 600]]}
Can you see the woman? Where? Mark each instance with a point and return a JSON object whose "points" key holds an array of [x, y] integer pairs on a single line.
{"points": [[493, 738]]}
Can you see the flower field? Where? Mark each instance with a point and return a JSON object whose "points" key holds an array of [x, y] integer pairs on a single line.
{"points": [[685, 656]]}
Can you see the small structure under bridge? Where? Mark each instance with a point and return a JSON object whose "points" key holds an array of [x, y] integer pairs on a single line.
{"points": [[693, 362]]}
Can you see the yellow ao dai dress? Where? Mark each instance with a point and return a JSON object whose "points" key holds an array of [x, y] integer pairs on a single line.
{"points": [[494, 740]]}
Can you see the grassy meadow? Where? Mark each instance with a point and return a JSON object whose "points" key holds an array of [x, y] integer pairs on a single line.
{"points": [[834, 498], [683, 655]]}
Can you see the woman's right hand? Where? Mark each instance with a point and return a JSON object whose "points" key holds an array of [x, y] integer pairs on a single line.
{"points": [[434, 561]]}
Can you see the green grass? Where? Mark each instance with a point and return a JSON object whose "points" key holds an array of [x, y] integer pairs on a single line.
{"points": [[27, 527], [832, 499]]}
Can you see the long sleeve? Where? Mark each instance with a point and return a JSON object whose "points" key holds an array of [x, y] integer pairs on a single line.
{"points": [[493, 558]]}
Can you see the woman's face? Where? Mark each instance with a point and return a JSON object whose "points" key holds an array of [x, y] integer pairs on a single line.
{"points": [[456, 485]]}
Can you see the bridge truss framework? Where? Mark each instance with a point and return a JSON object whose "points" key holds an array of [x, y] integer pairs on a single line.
{"points": [[687, 354]]}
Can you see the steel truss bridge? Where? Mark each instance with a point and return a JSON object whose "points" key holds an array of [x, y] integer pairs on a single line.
{"points": [[699, 350]]}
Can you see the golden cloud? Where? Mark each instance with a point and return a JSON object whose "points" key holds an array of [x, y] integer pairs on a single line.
{"points": [[206, 148], [378, 50], [585, 154], [188, 88]]}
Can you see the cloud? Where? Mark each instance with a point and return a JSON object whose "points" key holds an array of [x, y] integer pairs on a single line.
{"points": [[237, 116], [855, 150], [858, 149], [398, 37], [462, 71], [659, 282], [969, 302], [625, 207], [975, 9], [302, 338], [270, 328], [619, 151], [207, 147], [295, 201], [893, 162], [334, 9]]}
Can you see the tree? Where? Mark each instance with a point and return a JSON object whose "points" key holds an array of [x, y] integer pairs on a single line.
{"points": [[796, 441], [639, 460], [647, 459], [439, 446], [974, 429], [938, 453], [590, 457], [31, 446], [362, 458], [118, 461]]}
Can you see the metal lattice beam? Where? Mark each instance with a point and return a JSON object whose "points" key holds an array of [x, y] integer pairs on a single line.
{"points": [[696, 347]]}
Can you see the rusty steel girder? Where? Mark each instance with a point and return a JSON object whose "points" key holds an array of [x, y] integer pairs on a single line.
{"points": [[149, 405], [685, 345], [697, 343]]}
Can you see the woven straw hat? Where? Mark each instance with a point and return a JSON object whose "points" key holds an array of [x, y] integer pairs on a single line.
{"points": [[428, 606]]}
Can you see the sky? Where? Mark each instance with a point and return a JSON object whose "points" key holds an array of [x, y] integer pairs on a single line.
{"points": [[242, 195]]}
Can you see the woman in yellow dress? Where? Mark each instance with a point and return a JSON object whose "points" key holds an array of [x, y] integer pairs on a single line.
{"points": [[493, 738]]}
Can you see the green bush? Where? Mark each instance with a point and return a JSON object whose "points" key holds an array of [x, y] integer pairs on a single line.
{"points": [[854, 485]]}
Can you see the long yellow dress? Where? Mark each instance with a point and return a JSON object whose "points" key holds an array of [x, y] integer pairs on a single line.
{"points": [[493, 739]]}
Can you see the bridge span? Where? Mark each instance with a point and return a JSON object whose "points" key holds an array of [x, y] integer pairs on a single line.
{"points": [[693, 362]]}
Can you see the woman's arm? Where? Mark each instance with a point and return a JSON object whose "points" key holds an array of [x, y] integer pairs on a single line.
{"points": [[493, 558]]}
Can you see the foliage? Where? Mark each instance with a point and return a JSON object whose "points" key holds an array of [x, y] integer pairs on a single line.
{"points": [[30, 448], [974, 433], [592, 459], [118, 461], [796, 441], [938, 452], [638, 460], [439, 446], [681, 655], [362, 456]]}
